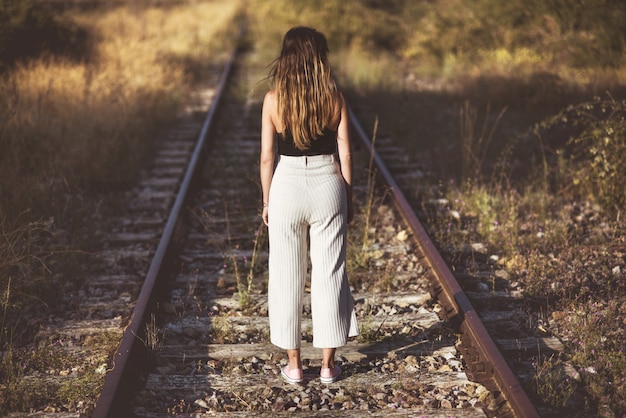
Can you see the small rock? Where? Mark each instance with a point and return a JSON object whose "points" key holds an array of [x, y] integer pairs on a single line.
{"points": [[402, 235], [493, 405], [502, 274], [476, 247], [201, 403], [591, 370], [439, 202], [571, 371], [411, 359], [456, 365], [482, 287]]}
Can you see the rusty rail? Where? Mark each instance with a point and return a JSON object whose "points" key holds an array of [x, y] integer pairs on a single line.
{"points": [[128, 360], [477, 341]]}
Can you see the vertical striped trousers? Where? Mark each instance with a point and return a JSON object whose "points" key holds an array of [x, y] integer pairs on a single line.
{"points": [[308, 199]]}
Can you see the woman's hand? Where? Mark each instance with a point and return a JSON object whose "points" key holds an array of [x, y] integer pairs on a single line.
{"points": [[264, 215]]}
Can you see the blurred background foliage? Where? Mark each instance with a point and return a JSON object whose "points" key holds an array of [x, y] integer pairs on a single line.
{"points": [[576, 33], [516, 63], [29, 30], [430, 36]]}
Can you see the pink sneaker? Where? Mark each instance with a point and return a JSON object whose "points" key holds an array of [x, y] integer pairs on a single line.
{"points": [[292, 376], [330, 375]]}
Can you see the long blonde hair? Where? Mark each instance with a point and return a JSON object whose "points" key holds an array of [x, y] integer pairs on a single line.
{"points": [[307, 95]]}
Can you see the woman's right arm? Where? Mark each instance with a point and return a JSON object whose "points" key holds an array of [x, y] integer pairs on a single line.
{"points": [[344, 149], [266, 164]]}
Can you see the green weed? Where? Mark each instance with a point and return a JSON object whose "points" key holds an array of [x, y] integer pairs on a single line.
{"points": [[554, 386], [244, 286], [220, 331], [29, 378], [475, 144], [367, 332]]}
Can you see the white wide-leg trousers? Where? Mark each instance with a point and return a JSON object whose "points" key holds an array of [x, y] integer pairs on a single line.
{"points": [[308, 198]]}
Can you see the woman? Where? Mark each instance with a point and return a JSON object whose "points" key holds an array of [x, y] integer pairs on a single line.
{"points": [[305, 119]]}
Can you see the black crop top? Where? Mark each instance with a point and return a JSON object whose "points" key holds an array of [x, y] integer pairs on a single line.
{"points": [[322, 145]]}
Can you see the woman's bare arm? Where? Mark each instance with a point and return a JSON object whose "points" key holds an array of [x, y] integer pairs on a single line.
{"points": [[266, 164], [344, 149]]}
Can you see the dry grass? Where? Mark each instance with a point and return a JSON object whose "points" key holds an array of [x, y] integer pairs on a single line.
{"points": [[77, 129], [549, 207], [60, 114], [71, 131]]}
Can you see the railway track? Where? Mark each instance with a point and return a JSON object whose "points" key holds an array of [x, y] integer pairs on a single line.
{"points": [[197, 343]]}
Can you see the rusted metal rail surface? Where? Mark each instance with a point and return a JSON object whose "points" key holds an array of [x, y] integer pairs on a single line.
{"points": [[482, 356], [210, 353]]}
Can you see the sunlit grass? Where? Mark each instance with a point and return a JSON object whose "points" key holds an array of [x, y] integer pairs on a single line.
{"points": [[77, 129], [71, 131], [59, 114]]}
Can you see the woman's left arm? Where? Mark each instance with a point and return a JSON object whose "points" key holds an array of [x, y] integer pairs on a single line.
{"points": [[344, 149]]}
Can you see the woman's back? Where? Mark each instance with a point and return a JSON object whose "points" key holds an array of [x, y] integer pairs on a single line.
{"points": [[306, 96], [324, 144]]}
